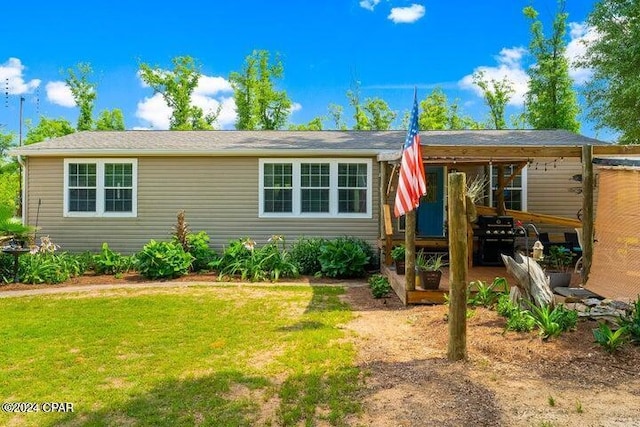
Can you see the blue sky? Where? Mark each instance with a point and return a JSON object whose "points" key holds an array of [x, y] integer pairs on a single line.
{"points": [[388, 46]]}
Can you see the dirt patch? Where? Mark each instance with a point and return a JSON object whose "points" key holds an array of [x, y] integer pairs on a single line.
{"points": [[509, 379]]}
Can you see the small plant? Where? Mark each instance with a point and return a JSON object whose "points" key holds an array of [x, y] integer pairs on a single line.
{"points": [[432, 263], [579, 408], [552, 401], [565, 318], [631, 322], [49, 268], [110, 262], [545, 321], [203, 255], [343, 258], [305, 252], [610, 340], [559, 259], [520, 321], [398, 253], [181, 231], [379, 285], [486, 295], [160, 260]]}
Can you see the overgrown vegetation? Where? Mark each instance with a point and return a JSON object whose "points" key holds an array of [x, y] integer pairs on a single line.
{"points": [[344, 257], [162, 260], [379, 285], [110, 262], [306, 253]]}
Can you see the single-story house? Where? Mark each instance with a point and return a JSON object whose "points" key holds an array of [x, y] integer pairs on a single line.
{"points": [[126, 187]]}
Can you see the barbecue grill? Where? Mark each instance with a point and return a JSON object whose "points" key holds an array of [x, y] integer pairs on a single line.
{"points": [[496, 236]]}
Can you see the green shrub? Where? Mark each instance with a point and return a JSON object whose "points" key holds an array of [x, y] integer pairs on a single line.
{"points": [[242, 258], [203, 255], [343, 258], [631, 322], [379, 285], [374, 262], [110, 262], [565, 318], [49, 268], [520, 321], [6, 268], [610, 340], [159, 260], [487, 295], [305, 252], [505, 307]]}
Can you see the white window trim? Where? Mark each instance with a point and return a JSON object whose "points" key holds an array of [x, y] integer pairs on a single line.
{"points": [[296, 193], [100, 212], [524, 182]]}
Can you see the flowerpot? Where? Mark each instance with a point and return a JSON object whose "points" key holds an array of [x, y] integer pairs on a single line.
{"points": [[430, 279], [559, 279], [400, 266]]}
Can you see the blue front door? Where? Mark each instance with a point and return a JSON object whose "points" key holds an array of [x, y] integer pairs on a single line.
{"points": [[430, 216]]}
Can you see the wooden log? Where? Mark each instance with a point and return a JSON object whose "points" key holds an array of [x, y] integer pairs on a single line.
{"points": [[410, 250], [458, 266], [530, 278]]}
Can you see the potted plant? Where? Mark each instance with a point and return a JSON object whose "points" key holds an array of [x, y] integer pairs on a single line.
{"points": [[398, 256], [558, 266], [429, 270]]}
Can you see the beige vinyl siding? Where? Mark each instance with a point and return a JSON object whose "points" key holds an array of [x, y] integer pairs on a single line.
{"points": [[219, 196]]}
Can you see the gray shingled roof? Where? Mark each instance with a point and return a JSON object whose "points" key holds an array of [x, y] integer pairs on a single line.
{"points": [[253, 142]]}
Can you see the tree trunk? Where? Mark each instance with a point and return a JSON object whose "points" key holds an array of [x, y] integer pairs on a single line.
{"points": [[531, 279]]}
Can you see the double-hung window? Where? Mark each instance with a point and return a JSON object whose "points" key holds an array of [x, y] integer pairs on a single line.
{"points": [[515, 193], [100, 187], [315, 188]]}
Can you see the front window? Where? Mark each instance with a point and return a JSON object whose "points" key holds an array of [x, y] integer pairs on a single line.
{"points": [[318, 188], [95, 187]]}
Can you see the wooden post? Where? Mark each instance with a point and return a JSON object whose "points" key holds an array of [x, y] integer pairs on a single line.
{"points": [[458, 252], [410, 250], [384, 238], [587, 210], [500, 193]]}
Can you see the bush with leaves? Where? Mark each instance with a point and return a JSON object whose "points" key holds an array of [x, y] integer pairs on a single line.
{"points": [[269, 262], [631, 322], [51, 268], [305, 252], [486, 295], [343, 258], [110, 262], [6, 268], [611, 340], [203, 255], [379, 285], [160, 260]]}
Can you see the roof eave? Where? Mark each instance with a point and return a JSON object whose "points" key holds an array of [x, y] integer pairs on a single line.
{"points": [[191, 153]]}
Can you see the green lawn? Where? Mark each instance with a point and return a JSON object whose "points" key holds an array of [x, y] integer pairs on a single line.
{"points": [[220, 356]]}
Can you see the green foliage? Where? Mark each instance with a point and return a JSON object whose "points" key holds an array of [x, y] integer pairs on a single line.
{"points": [[9, 188], [379, 115], [379, 285], [487, 295], [551, 101], [520, 321], [6, 267], [159, 260], [559, 258], [199, 248], [47, 129], [313, 124], [613, 57], [565, 318], [84, 93], [258, 104], [436, 113], [398, 253], [48, 267], [110, 262], [10, 226], [242, 258], [631, 322], [110, 120], [610, 340], [496, 95], [344, 258], [176, 87], [305, 252], [335, 112], [546, 322]]}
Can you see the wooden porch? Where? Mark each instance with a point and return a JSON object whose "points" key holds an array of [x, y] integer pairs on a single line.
{"points": [[422, 296]]}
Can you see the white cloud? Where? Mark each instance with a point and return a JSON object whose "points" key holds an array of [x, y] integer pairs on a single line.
{"points": [[295, 106], [59, 93], [580, 36], [369, 4], [509, 67], [208, 95], [12, 79], [406, 15]]}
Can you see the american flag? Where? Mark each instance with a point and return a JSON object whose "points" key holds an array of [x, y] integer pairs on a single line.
{"points": [[412, 184]]}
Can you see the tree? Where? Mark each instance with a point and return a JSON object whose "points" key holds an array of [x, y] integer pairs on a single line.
{"points": [[176, 87], [361, 121], [434, 111], [551, 100], [46, 129], [379, 115], [110, 120], [314, 124], [84, 93], [6, 142], [258, 104], [497, 94], [335, 111], [613, 93]]}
